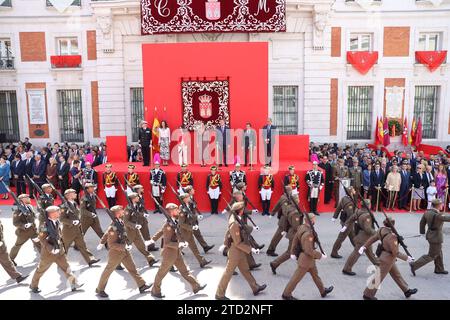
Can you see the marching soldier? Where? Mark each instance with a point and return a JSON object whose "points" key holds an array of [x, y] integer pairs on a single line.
{"points": [[171, 255], [110, 184], [143, 215], [133, 228], [158, 181], [6, 262], [314, 179], [340, 171], [25, 226], [89, 218], [52, 250], [237, 176], [435, 221], [72, 231], [292, 180], [184, 178], [364, 229], [281, 210], [89, 174], [240, 248], [293, 220], [44, 201], [187, 224], [266, 184], [304, 243], [119, 252], [131, 178], [388, 256], [344, 211], [213, 187], [196, 217]]}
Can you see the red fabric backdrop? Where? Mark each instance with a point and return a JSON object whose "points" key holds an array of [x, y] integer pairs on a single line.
{"points": [[117, 148]]}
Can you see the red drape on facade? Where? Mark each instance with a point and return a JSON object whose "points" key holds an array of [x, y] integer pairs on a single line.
{"points": [[72, 61], [432, 59], [362, 61]]}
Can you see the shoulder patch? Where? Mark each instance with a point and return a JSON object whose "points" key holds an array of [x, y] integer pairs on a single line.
{"points": [[237, 233], [368, 219], [311, 238]]}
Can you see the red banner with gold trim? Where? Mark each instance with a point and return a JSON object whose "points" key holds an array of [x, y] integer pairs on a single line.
{"points": [[362, 61], [432, 59]]}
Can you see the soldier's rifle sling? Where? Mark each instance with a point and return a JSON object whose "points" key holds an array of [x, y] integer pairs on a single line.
{"points": [[248, 216], [183, 204], [172, 223]]}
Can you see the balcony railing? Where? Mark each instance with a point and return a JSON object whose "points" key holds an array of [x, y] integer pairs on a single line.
{"points": [[6, 63], [73, 61]]}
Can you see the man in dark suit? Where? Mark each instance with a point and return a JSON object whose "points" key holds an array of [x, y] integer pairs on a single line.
{"points": [[28, 166], [269, 135], [27, 144], [145, 140], [63, 174], [18, 170], [249, 143], [405, 185], [376, 184], [223, 141], [132, 153], [38, 170], [45, 155]]}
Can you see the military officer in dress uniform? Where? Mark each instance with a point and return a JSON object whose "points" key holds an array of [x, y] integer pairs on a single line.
{"points": [[340, 171], [293, 220], [25, 226], [356, 176], [266, 184], [143, 216], [171, 254], [89, 218], [184, 179], [158, 182], [188, 225], [72, 231], [240, 248], [110, 184], [304, 243], [213, 187], [145, 141], [133, 228], [388, 254], [345, 210], [281, 210], [314, 179], [119, 252], [435, 221], [6, 262], [237, 176], [44, 201], [131, 178], [364, 229], [292, 180], [52, 250]]}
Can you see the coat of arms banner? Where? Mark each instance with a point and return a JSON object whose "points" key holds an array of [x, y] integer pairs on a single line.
{"points": [[205, 101], [188, 16]]}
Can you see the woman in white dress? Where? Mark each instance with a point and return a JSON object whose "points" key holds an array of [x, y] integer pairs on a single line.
{"points": [[164, 142]]}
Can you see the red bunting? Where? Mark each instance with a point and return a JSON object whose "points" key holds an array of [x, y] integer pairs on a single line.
{"points": [[73, 61], [432, 59], [362, 61]]}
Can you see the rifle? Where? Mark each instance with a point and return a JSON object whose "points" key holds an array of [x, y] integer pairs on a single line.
{"points": [[22, 208], [315, 235], [130, 203], [184, 205], [141, 199], [35, 185], [248, 216], [170, 221], [119, 226], [63, 199]]}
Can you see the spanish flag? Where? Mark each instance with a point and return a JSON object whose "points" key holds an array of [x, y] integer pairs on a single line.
{"points": [[412, 135], [380, 131], [155, 133], [405, 132]]}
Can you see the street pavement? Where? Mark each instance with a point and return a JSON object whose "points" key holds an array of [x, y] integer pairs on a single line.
{"points": [[121, 286]]}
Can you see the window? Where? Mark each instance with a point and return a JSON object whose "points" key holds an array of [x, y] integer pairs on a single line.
{"points": [[360, 105], [67, 46], [70, 115], [137, 111], [6, 57], [74, 3], [430, 41], [426, 102], [5, 3], [285, 109], [9, 120], [360, 42]]}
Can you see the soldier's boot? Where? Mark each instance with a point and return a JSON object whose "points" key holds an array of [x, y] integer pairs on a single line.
{"points": [[20, 278], [259, 289], [102, 294], [144, 288], [410, 292], [207, 248], [152, 247]]}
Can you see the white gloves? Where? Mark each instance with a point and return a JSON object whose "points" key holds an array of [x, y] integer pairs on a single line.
{"points": [[333, 219], [100, 247], [410, 259], [55, 251], [343, 229], [257, 228], [270, 216], [94, 215], [293, 257], [255, 211], [138, 226], [128, 247], [224, 211], [324, 256], [147, 243], [36, 240], [145, 215], [200, 217], [182, 245], [1, 243], [76, 222], [27, 225], [361, 250], [222, 248], [283, 233], [195, 227], [255, 251], [151, 241]]}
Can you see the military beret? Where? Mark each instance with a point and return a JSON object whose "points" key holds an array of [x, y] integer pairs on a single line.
{"points": [[237, 206], [52, 209], [109, 165], [170, 206], [132, 195], [213, 168], [23, 196], [184, 196], [116, 208], [131, 166], [46, 185], [240, 185], [291, 167], [389, 221], [69, 191], [89, 185], [311, 215], [188, 189], [137, 187]]}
